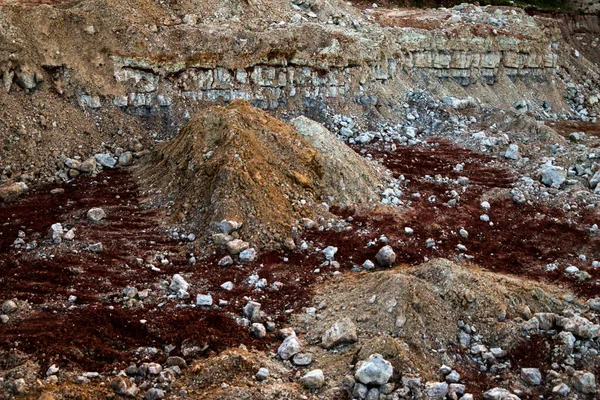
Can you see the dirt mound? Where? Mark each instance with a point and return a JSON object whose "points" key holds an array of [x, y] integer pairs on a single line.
{"points": [[239, 163], [347, 177], [404, 311]]}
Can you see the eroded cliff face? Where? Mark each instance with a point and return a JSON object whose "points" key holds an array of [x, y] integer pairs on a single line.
{"points": [[156, 65]]}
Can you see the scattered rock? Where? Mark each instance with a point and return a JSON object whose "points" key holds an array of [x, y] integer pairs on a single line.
{"points": [[179, 286], [386, 256], [258, 330], [126, 159], [290, 346], [584, 382], [531, 376], [12, 191], [561, 389], [204, 300], [374, 371], [499, 394], [225, 261], [236, 246], [227, 227], [262, 374], [252, 311], [329, 252], [96, 214], [155, 394], [553, 175], [436, 390], [343, 331], [302, 359], [248, 256], [106, 160], [313, 379], [512, 153], [9, 307]]}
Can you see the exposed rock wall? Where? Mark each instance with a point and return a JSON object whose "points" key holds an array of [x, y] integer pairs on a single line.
{"points": [[269, 86]]}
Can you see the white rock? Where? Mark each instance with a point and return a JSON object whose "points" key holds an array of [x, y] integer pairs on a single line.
{"points": [[96, 214], [553, 175], [248, 256], [313, 379], [290, 346], [584, 382], [329, 252], [178, 283], [436, 390], [499, 394], [386, 256], [512, 153], [531, 376], [262, 374], [204, 300], [374, 371], [227, 226]]}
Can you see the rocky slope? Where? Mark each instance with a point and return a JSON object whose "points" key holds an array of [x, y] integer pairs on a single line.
{"points": [[298, 199]]}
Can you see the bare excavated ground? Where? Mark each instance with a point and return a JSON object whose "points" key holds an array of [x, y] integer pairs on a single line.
{"points": [[97, 331]]}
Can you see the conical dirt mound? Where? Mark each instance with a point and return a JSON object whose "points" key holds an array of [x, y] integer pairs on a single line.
{"points": [[239, 163]]}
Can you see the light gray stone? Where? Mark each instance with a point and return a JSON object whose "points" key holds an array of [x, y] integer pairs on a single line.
{"points": [[386, 256], [313, 379], [343, 331], [248, 256], [289, 347], [375, 370], [553, 175], [96, 214], [531, 376], [302, 359], [584, 382], [436, 390], [106, 160], [499, 394], [204, 300], [262, 374], [258, 330], [228, 226]]}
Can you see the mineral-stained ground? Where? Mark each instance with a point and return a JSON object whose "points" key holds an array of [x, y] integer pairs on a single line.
{"points": [[305, 199]]}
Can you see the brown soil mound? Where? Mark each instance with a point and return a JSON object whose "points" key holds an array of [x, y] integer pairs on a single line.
{"points": [[410, 315], [348, 178], [239, 163]]}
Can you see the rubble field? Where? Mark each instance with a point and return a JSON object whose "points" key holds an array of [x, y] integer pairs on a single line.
{"points": [[305, 199]]}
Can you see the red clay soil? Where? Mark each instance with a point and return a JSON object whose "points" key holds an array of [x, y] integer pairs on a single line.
{"points": [[522, 241], [98, 332], [565, 128]]}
